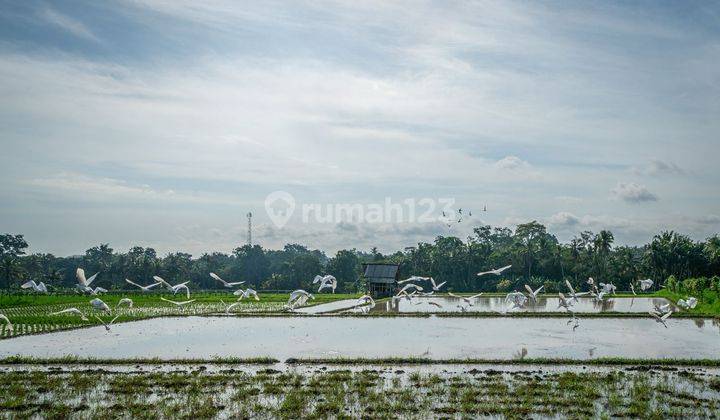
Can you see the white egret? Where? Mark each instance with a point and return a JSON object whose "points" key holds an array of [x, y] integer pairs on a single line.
{"points": [[298, 298], [410, 286], [99, 305], [414, 278], [183, 303], [573, 294], [125, 301], [646, 284], [533, 295], [662, 309], [599, 296], [517, 299], [661, 318], [469, 300], [688, 303], [435, 286], [591, 281], [174, 289], [142, 288], [84, 284], [107, 324], [230, 307], [328, 281], [632, 289], [74, 311], [225, 283], [608, 288], [365, 303], [246, 294], [7, 322], [38, 287], [563, 302], [496, 271]]}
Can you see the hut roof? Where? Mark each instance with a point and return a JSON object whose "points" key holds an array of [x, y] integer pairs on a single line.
{"points": [[381, 273]]}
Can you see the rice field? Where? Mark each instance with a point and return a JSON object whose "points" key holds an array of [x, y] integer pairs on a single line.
{"points": [[212, 391], [31, 314]]}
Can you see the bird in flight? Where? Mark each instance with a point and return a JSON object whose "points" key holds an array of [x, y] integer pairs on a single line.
{"points": [[38, 287], [74, 311], [183, 303], [225, 283], [174, 289], [143, 288], [496, 271]]}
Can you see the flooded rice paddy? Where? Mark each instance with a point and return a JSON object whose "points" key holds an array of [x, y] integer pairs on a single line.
{"points": [[497, 304], [328, 337]]}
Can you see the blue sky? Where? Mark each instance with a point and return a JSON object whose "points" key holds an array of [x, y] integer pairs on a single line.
{"points": [[161, 123]]}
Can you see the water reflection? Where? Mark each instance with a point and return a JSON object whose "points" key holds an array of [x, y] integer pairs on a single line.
{"points": [[497, 304], [433, 337]]}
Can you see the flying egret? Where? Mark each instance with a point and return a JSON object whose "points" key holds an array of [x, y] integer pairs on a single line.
{"points": [[142, 288], [662, 309], [632, 289], [574, 295], [599, 296], [563, 302], [174, 289], [661, 319], [230, 307], [107, 324], [84, 284], [646, 284], [74, 311], [608, 288], [225, 283], [496, 271], [183, 303], [516, 298], [469, 300], [125, 301], [38, 287], [7, 322], [414, 278], [533, 295], [435, 286], [99, 305], [410, 286], [688, 303], [298, 298], [328, 281], [365, 303], [591, 281], [246, 294]]}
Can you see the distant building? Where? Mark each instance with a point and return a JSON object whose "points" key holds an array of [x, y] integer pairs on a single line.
{"points": [[381, 279]]}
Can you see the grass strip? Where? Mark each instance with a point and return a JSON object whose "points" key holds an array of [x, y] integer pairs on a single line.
{"points": [[604, 361], [75, 360]]}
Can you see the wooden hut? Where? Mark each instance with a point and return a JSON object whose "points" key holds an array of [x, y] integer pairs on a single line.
{"points": [[381, 279]]}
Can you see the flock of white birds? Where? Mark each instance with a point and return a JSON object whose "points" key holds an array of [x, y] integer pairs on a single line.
{"points": [[410, 290]]}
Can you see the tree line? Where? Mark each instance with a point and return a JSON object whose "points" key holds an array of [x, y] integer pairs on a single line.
{"points": [[537, 258]]}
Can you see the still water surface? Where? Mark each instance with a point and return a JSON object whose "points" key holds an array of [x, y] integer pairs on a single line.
{"points": [[433, 337]]}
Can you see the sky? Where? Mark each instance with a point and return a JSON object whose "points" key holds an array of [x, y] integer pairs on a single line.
{"points": [[162, 123]]}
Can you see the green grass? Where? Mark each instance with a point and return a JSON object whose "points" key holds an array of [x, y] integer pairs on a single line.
{"points": [[708, 301], [605, 361], [30, 314]]}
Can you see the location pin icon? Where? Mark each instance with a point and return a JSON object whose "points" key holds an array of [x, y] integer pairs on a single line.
{"points": [[279, 206]]}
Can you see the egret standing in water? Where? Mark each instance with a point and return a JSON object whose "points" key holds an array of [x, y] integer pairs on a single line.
{"points": [[7, 322]]}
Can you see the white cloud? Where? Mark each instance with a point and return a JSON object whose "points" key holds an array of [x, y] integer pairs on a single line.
{"points": [[656, 167], [68, 24], [564, 218], [633, 193]]}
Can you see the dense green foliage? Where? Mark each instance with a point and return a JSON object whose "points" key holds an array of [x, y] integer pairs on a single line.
{"points": [[536, 255]]}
